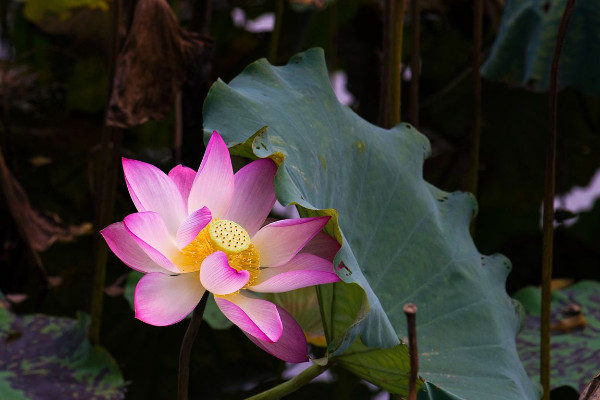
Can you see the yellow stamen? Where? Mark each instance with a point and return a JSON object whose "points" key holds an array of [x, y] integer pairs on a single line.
{"points": [[226, 236]]}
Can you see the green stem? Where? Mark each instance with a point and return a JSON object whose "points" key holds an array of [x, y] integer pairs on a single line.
{"points": [[185, 354], [548, 217], [292, 385], [477, 119], [415, 51], [397, 29], [274, 43]]}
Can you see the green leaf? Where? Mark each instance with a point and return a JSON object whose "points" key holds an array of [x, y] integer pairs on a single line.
{"points": [[50, 357], [213, 315], [132, 280], [525, 44], [432, 392], [574, 355], [403, 240]]}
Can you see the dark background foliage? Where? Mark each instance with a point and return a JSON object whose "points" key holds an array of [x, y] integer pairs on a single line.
{"points": [[55, 85]]}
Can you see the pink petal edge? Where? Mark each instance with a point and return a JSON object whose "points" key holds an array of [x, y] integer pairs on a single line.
{"points": [[254, 195], [152, 190], [280, 241], [125, 247], [183, 177], [301, 271], [291, 346], [213, 185], [259, 318], [322, 245], [191, 226], [218, 277], [162, 300], [143, 224]]}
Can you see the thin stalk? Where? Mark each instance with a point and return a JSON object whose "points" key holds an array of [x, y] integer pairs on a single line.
{"points": [[410, 310], [110, 149], [549, 191], [415, 62], [391, 75], [477, 119], [292, 385], [202, 17], [396, 61], [274, 43], [178, 134], [183, 379]]}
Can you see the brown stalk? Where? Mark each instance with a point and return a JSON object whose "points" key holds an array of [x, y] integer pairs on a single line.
{"points": [[110, 149], [410, 310], [549, 191]]}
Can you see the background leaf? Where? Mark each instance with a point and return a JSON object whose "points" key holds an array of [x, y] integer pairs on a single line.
{"points": [[45, 357], [403, 239], [525, 43], [575, 355]]}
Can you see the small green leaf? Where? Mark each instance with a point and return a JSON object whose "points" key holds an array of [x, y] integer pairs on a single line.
{"points": [[213, 315], [132, 280], [35, 10]]}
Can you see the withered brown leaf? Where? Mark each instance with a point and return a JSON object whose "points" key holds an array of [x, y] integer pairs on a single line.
{"points": [[152, 65]]}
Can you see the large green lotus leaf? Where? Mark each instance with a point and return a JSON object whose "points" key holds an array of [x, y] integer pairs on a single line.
{"points": [[46, 358], [575, 355], [525, 44], [403, 240]]}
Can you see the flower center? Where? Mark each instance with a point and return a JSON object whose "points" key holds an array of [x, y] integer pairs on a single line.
{"points": [[228, 237]]}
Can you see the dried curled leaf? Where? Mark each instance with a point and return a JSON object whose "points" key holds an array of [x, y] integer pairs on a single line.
{"points": [[152, 65], [39, 229], [592, 390]]}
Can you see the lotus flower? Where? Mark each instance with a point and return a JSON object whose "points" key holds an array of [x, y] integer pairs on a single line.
{"points": [[198, 231]]}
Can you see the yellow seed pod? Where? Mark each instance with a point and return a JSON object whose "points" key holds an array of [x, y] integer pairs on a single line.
{"points": [[229, 236]]}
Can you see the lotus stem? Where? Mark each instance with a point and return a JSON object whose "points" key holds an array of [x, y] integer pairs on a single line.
{"points": [[185, 354], [410, 310], [292, 385], [548, 218]]}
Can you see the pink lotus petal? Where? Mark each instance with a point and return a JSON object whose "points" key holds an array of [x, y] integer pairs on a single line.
{"points": [[254, 195], [191, 226], [126, 248], [301, 271], [150, 233], [254, 316], [152, 190], [278, 242], [219, 278], [322, 245], [183, 177], [166, 299], [291, 346], [213, 186]]}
